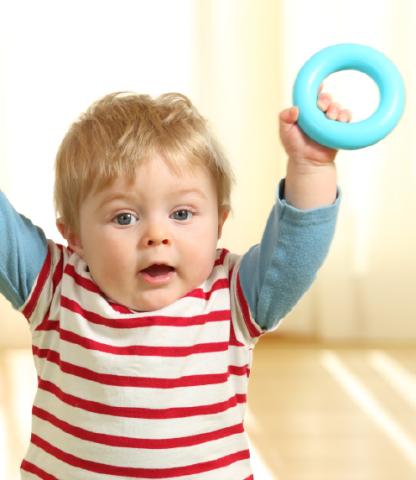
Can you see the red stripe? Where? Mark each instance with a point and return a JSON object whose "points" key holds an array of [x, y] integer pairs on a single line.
{"points": [[40, 282], [143, 350], [129, 442], [133, 472], [48, 325], [128, 381], [239, 371], [251, 327], [82, 281], [221, 258], [45, 324], [145, 321], [135, 412], [220, 284], [233, 339], [56, 278], [120, 308], [29, 467], [88, 284], [58, 273]]}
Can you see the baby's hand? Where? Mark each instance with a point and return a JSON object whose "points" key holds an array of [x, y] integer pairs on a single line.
{"points": [[332, 110], [301, 148]]}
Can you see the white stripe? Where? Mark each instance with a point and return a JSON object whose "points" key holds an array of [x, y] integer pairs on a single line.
{"points": [[26, 476], [139, 457], [154, 335], [183, 307], [145, 366], [395, 374], [148, 428], [138, 397], [360, 394], [237, 470]]}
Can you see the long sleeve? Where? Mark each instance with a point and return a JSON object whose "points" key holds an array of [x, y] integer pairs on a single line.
{"points": [[276, 273], [23, 249]]}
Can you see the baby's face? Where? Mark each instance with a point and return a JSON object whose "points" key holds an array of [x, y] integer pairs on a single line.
{"points": [[149, 242]]}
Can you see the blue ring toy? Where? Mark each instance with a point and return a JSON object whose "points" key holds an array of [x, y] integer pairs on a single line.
{"points": [[349, 136]]}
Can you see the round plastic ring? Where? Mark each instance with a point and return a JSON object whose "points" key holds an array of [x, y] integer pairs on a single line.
{"points": [[348, 56]]}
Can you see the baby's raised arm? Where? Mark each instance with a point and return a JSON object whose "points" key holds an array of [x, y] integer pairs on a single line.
{"points": [[277, 272], [23, 249]]}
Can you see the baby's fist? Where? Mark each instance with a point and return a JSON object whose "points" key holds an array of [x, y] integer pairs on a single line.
{"points": [[299, 147]]}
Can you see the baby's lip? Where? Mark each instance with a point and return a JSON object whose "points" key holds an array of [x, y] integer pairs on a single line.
{"points": [[158, 270], [157, 274]]}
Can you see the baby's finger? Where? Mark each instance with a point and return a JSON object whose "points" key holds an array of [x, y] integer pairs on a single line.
{"points": [[324, 101], [289, 116], [344, 116], [333, 111]]}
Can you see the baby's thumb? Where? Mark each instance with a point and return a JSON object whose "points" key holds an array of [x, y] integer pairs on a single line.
{"points": [[288, 117]]}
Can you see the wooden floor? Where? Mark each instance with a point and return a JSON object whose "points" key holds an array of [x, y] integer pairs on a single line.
{"points": [[320, 412], [316, 412]]}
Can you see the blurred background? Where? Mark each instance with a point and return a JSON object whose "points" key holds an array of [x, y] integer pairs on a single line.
{"points": [[333, 390]]}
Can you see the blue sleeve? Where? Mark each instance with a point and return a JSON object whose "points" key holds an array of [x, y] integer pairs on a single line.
{"points": [[278, 271], [23, 249]]}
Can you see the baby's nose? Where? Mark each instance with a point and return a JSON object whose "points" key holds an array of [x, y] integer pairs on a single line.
{"points": [[156, 233], [153, 242]]}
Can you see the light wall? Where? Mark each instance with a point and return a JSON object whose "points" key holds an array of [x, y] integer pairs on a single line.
{"points": [[56, 58], [237, 60], [239, 88]]}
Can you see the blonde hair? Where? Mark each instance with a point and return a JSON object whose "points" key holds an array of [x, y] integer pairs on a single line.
{"points": [[120, 132]]}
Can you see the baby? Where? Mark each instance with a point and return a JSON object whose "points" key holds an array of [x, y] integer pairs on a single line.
{"points": [[142, 328]]}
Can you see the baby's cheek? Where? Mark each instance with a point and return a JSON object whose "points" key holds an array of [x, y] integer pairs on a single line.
{"points": [[205, 266], [104, 275]]}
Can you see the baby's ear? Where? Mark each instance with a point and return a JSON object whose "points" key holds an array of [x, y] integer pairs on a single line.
{"points": [[73, 239], [222, 217]]}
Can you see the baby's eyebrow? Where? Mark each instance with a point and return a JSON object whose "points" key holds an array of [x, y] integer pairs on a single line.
{"points": [[189, 191], [118, 196]]}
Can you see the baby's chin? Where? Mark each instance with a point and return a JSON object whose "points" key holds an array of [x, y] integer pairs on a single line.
{"points": [[152, 303], [151, 307], [153, 299]]}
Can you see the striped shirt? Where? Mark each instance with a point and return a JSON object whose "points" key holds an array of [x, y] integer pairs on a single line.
{"points": [[138, 395]]}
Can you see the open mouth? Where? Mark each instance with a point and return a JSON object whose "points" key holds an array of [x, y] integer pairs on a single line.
{"points": [[157, 273], [157, 270]]}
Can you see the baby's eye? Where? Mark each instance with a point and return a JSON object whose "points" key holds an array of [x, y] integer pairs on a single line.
{"points": [[125, 218], [182, 214]]}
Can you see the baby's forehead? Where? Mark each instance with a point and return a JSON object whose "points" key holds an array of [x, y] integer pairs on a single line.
{"points": [[185, 178], [184, 170]]}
